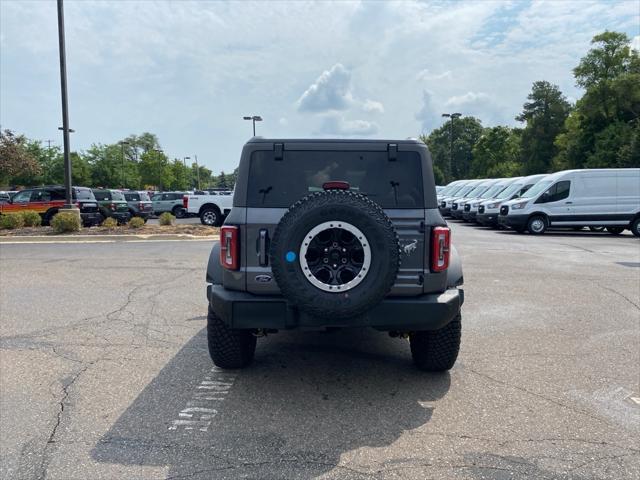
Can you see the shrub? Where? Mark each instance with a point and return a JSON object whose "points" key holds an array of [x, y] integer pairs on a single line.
{"points": [[31, 218], [167, 219], [11, 221], [63, 222], [136, 222], [110, 223]]}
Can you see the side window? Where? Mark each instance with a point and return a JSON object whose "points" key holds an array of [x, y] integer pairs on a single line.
{"points": [[57, 194], [166, 196], [556, 192], [22, 197], [40, 196], [177, 196]]}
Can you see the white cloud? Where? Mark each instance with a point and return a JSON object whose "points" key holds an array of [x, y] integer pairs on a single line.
{"points": [[468, 99], [635, 43], [336, 124], [427, 75], [428, 115], [330, 91], [371, 106]]}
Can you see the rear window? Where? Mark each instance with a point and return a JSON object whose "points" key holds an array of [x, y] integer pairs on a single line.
{"points": [[391, 184], [83, 194], [132, 196], [115, 195], [102, 195]]}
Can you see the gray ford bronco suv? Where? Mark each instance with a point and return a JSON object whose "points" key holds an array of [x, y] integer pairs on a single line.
{"points": [[327, 234]]}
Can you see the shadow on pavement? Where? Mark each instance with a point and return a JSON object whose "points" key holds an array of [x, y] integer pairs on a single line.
{"points": [[308, 399]]}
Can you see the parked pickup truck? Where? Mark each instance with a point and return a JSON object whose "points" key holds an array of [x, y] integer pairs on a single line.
{"points": [[212, 208]]}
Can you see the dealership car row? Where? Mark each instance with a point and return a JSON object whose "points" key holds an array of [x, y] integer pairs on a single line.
{"points": [[601, 199], [97, 204]]}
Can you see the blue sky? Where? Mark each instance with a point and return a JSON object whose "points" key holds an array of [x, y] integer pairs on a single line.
{"points": [[189, 71]]}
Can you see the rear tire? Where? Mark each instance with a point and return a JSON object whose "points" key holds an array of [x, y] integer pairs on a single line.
{"points": [[635, 227], [210, 217], [537, 225], [437, 350], [229, 348], [179, 212], [615, 230]]}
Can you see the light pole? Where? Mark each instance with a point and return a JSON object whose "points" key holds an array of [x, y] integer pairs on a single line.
{"points": [[254, 119], [197, 171], [122, 144], [452, 116], [65, 108]]}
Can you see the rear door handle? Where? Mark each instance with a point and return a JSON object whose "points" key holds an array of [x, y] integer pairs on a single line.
{"points": [[262, 247], [569, 203]]}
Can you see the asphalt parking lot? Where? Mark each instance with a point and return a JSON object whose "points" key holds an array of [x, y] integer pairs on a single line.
{"points": [[104, 372]]}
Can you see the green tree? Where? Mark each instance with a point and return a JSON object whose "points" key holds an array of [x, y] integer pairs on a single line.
{"points": [[466, 132], [180, 175], [603, 129], [497, 153], [544, 114], [110, 169], [154, 169], [16, 161]]}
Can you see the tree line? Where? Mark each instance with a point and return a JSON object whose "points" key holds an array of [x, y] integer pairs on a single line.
{"points": [[601, 130], [136, 162]]}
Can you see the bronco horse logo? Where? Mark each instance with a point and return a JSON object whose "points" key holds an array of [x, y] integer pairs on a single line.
{"points": [[409, 248]]}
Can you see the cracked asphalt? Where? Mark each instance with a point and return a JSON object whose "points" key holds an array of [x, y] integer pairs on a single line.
{"points": [[103, 357]]}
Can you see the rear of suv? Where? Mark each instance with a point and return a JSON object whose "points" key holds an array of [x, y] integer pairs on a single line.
{"points": [[139, 204], [327, 234], [112, 203]]}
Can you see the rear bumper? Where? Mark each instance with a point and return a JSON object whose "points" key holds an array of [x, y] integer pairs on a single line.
{"points": [[91, 218], [246, 311], [146, 214], [513, 221], [122, 217]]}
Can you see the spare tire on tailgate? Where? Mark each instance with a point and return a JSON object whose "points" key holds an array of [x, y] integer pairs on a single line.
{"points": [[335, 254]]}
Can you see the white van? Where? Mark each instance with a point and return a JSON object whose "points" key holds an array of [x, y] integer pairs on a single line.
{"points": [[489, 210], [575, 198], [449, 188], [470, 208], [459, 191], [457, 207]]}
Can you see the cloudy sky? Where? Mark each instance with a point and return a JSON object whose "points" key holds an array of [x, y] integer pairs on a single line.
{"points": [[189, 71]]}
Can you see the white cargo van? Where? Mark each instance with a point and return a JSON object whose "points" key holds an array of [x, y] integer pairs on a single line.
{"points": [[489, 210], [470, 208], [575, 198], [457, 207], [465, 187]]}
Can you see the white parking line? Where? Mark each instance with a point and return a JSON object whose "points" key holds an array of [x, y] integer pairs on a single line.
{"points": [[210, 392]]}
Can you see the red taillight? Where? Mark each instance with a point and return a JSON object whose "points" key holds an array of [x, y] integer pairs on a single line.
{"points": [[440, 248], [141, 206], [113, 207], [336, 185], [229, 247], [185, 202]]}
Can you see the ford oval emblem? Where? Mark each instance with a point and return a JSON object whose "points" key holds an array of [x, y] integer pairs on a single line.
{"points": [[263, 278]]}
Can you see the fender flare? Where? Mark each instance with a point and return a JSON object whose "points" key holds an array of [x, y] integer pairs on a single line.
{"points": [[454, 272], [214, 269]]}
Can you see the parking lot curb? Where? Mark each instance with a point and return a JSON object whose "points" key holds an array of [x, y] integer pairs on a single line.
{"points": [[106, 238]]}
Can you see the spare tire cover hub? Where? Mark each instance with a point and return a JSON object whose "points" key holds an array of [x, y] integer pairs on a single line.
{"points": [[335, 256]]}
